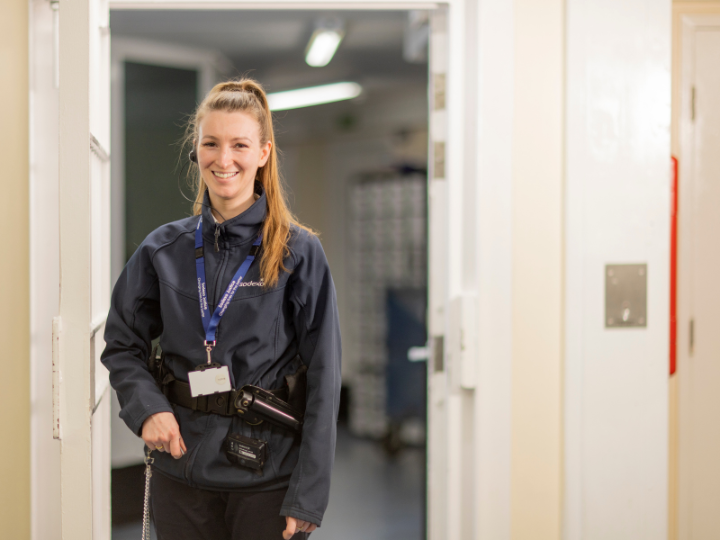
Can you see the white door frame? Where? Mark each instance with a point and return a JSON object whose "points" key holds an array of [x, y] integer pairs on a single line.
{"points": [[81, 404], [691, 24], [446, 78], [468, 454]]}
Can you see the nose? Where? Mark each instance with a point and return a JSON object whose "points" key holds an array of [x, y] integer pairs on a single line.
{"points": [[225, 158]]}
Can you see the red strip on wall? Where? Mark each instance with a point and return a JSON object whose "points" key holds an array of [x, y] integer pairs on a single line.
{"points": [[673, 266]]}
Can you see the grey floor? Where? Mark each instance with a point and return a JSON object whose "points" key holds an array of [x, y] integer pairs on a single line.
{"points": [[372, 496]]}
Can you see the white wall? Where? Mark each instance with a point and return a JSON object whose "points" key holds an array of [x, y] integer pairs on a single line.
{"points": [[617, 211]]}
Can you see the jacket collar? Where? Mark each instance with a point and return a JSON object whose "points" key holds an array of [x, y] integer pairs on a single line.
{"points": [[242, 228]]}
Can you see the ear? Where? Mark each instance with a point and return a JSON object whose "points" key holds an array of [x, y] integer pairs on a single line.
{"points": [[265, 154]]}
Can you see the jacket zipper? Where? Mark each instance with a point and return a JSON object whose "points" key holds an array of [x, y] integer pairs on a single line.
{"points": [[217, 236]]}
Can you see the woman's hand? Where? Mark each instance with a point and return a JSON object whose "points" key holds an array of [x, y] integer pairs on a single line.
{"points": [[297, 525], [160, 431]]}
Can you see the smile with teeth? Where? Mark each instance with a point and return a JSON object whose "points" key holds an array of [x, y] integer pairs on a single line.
{"points": [[225, 175]]}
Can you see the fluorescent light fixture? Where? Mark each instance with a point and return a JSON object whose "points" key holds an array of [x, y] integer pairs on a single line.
{"points": [[314, 95], [322, 46]]}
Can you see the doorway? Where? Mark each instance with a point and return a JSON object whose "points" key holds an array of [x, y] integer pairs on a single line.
{"points": [[359, 165]]}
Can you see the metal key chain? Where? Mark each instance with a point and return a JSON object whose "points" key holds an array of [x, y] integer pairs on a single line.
{"points": [[146, 505]]}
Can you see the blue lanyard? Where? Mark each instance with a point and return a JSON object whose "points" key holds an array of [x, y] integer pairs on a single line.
{"points": [[210, 323]]}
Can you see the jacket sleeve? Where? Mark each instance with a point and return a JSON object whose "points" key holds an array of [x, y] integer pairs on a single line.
{"points": [[133, 322], [318, 330]]}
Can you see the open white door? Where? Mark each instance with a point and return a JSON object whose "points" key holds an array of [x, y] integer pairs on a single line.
{"points": [[698, 315], [81, 399]]}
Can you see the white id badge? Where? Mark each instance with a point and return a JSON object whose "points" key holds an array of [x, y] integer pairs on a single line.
{"points": [[209, 381]]}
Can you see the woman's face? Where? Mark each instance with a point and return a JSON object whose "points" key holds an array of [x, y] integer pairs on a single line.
{"points": [[229, 154]]}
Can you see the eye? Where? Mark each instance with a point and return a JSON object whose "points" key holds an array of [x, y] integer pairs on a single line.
{"points": [[208, 144], [241, 145]]}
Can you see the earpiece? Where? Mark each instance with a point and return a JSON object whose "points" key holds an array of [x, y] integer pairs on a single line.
{"points": [[193, 156]]}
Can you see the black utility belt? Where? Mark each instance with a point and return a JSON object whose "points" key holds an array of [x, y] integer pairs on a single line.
{"points": [[251, 403]]}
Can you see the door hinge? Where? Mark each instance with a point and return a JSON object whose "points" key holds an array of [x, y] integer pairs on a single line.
{"points": [[438, 353], [439, 91], [97, 148], [692, 103], [439, 160], [692, 336], [56, 375], [55, 7], [463, 340]]}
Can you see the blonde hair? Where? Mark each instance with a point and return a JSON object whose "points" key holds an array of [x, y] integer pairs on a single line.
{"points": [[248, 96]]}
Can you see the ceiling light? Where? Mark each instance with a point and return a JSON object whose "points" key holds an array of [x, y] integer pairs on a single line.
{"points": [[314, 95], [323, 43]]}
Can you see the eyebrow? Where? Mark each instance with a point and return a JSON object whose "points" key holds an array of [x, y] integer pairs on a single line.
{"points": [[233, 139]]}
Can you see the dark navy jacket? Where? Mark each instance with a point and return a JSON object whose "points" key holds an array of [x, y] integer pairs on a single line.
{"points": [[259, 338]]}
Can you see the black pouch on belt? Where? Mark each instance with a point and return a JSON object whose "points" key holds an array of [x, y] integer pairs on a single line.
{"points": [[246, 452]]}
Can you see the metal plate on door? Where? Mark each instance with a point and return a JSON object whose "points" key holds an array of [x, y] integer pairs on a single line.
{"points": [[625, 295]]}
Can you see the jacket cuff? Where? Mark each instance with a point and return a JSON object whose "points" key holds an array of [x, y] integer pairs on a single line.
{"points": [[297, 513], [135, 423]]}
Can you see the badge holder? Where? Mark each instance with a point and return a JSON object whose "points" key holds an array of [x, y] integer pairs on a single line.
{"points": [[209, 378]]}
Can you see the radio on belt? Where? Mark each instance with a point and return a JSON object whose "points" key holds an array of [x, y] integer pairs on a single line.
{"points": [[246, 452]]}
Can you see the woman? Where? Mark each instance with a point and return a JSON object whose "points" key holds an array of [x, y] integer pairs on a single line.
{"points": [[261, 322]]}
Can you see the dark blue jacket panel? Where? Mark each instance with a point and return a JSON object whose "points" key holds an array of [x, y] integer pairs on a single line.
{"points": [[259, 338]]}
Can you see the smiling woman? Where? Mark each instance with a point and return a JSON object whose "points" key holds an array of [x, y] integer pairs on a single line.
{"points": [[240, 417]]}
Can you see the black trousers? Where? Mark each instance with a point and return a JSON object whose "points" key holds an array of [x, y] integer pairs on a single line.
{"points": [[181, 512]]}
